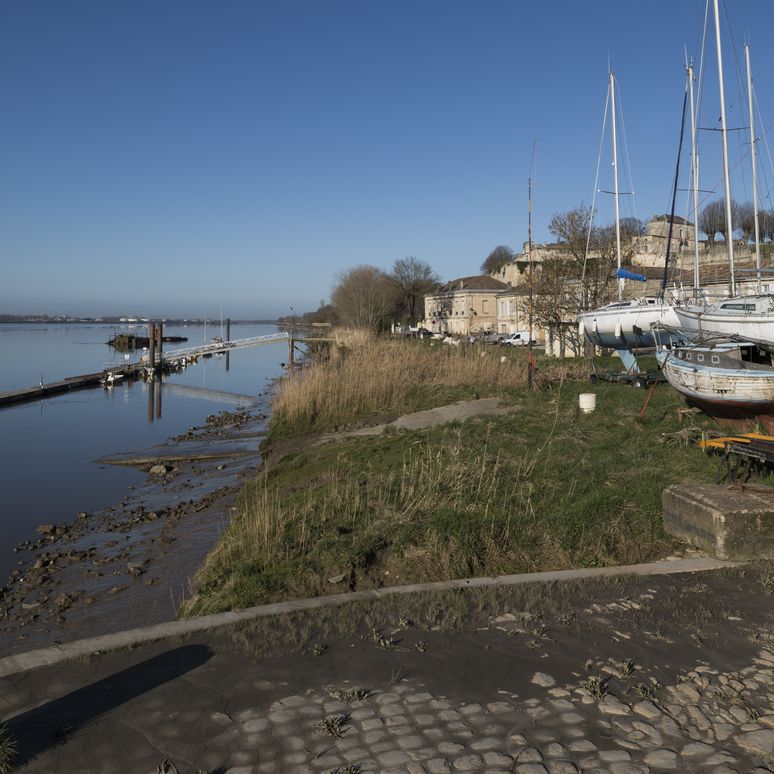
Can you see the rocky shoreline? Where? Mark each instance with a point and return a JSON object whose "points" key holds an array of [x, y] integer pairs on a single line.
{"points": [[131, 564]]}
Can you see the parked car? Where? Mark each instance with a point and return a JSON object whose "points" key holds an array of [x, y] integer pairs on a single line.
{"points": [[518, 339]]}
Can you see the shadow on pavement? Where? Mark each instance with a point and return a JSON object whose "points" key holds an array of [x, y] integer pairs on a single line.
{"points": [[49, 724]]}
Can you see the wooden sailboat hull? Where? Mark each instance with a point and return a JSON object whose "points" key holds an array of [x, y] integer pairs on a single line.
{"points": [[723, 392]]}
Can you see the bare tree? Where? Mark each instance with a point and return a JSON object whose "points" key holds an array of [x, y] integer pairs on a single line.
{"points": [[501, 256], [712, 219], [413, 278], [364, 297], [579, 279], [744, 220], [766, 222], [631, 227]]}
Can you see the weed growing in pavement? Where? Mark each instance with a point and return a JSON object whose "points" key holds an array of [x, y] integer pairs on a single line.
{"points": [[333, 726], [596, 688], [8, 749], [766, 580], [352, 768], [626, 668], [319, 648], [420, 645], [396, 675], [645, 691], [352, 695]]}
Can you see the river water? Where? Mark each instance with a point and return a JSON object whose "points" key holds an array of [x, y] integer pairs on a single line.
{"points": [[49, 449]]}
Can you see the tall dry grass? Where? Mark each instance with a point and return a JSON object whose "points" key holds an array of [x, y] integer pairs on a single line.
{"points": [[278, 546], [443, 510], [366, 376]]}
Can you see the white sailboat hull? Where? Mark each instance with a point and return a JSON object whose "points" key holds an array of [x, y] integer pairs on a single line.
{"points": [[757, 325], [626, 326]]}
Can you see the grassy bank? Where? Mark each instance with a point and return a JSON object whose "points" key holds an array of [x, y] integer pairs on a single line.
{"points": [[542, 488]]}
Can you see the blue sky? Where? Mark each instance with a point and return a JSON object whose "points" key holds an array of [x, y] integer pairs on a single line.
{"points": [[172, 157]]}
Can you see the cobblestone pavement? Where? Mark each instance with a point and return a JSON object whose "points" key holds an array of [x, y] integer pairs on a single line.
{"points": [[514, 695]]}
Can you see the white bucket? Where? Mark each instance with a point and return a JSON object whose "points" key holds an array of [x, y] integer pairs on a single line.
{"points": [[587, 402]]}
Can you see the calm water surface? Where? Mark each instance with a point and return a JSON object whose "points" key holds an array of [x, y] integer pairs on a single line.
{"points": [[48, 449]]}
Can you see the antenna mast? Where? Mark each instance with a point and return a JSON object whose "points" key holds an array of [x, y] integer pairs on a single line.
{"points": [[754, 177], [615, 187]]}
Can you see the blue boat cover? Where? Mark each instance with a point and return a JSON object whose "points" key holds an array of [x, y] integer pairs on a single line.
{"points": [[625, 274]]}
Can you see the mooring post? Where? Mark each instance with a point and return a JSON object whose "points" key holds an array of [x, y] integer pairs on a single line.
{"points": [[160, 340], [158, 400], [291, 348], [152, 346], [228, 338]]}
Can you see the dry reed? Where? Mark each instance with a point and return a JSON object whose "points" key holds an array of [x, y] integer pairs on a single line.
{"points": [[367, 376]]}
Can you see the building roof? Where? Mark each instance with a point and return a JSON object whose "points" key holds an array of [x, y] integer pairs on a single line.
{"points": [[477, 282]]}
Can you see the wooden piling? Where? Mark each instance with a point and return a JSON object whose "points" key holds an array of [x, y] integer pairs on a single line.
{"points": [[152, 345], [228, 338], [160, 340], [158, 399]]}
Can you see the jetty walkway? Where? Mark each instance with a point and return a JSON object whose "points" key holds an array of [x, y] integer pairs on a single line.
{"points": [[138, 369]]}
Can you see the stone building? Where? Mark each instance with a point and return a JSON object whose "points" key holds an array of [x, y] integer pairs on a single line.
{"points": [[464, 305]]}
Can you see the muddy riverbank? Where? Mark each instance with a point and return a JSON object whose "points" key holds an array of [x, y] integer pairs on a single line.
{"points": [[130, 564]]}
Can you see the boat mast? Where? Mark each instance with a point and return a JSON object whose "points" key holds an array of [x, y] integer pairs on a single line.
{"points": [[724, 134], [529, 244], [754, 177], [695, 176], [615, 188]]}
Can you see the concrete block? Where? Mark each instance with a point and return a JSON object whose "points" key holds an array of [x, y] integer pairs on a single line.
{"points": [[729, 522]]}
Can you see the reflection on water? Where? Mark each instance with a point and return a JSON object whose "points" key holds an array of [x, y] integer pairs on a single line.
{"points": [[48, 448]]}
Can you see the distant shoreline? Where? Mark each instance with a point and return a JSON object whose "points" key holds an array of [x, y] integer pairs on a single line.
{"points": [[44, 319]]}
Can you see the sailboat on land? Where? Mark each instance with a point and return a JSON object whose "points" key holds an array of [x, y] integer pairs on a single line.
{"points": [[624, 324], [721, 372], [751, 315]]}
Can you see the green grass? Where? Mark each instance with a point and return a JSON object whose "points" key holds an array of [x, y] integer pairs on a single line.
{"points": [[544, 488]]}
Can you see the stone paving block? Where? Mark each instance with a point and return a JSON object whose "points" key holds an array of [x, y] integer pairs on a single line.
{"points": [[486, 743], [561, 767], [393, 758], [422, 753], [396, 720], [438, 766], [498, 759], [412, 742], [468, 763]]}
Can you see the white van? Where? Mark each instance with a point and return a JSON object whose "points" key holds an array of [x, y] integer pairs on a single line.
{"points": [[518, 339]]}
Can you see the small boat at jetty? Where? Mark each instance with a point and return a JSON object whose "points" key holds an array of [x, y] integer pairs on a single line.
{"points": [[110, 379], [728, 379]]}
